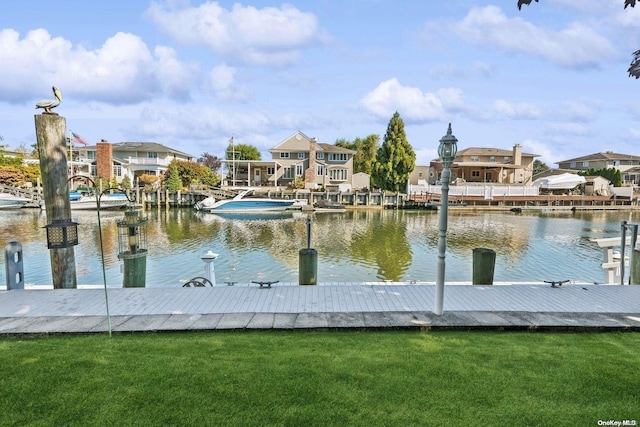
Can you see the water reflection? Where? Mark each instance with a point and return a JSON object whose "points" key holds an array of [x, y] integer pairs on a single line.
{"points": [[356, 246]]}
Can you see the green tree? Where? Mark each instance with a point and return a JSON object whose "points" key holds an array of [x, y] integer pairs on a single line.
{"points": [[172, 181], [612, 174], [194, 173], [126, 183], [366, 150], [539, 166], [395, 159], [243, 152]]}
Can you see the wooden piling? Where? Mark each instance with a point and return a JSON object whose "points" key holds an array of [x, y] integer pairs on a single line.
{"points": [[51, 131]]}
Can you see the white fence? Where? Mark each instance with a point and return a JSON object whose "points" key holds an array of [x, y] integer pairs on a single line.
{"points": [[488, 192]]}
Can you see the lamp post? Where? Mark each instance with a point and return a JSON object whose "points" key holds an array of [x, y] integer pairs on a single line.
{"points": [[447, 152]]}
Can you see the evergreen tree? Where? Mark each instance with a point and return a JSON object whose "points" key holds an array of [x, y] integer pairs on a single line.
{"points": [[173, 181], [366, 150], [395, 159]]}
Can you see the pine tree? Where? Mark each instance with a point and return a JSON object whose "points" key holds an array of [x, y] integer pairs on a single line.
{"points": [[395, 159], [173, 181]]}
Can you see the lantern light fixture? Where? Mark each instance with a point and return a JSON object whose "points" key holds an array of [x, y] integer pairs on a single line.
{"points": [[62, 233]]}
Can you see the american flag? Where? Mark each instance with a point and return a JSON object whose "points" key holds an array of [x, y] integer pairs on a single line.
{"points": [[77, 138]]}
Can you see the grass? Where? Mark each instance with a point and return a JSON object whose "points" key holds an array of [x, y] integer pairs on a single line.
{"points": [[390, 378]]}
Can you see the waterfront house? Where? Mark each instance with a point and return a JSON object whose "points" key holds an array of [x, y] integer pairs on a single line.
{"points": [[318, 164], [628, 164], [486, 165], [131, 159]]}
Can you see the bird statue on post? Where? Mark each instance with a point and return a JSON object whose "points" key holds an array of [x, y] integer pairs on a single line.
{"points": [[48, 104]]}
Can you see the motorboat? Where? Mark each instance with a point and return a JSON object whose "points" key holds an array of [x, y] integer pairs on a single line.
{"points": [[79, 201], [244, 202], [324, 205], [564, 181], [9, 201]]}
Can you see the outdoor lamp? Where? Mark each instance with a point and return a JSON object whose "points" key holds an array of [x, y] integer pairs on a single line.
{"points": [[448, 148], [447, 152], [62, 233]]}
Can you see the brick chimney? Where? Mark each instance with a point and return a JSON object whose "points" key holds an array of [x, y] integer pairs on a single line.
{"points": [[517, 154], [310, 173], [104, 159]]}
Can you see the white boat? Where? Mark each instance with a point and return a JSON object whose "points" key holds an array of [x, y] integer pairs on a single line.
{"points": [[9, 201], [244, 202], [324, 205], [107, 202], [564, 181]]}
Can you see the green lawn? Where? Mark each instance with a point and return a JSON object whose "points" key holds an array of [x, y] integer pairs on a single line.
{"points": [[270, 378]]}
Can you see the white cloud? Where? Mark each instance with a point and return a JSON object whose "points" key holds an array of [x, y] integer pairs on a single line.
{"points": [[412, 104], [267, 36], [442, 71], [574, 111], [576, 46], [569, 128], [122, 71], [222, 82], [547, 154], [517, 111]]}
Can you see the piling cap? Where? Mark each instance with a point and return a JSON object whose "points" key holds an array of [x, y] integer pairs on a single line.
{"points": [[209, 255]]}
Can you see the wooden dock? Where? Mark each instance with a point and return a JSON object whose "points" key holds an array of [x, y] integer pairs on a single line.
{"points": [[326, 306]]}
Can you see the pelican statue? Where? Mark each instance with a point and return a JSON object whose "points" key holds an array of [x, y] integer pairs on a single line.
{"points": [[47, 105]]}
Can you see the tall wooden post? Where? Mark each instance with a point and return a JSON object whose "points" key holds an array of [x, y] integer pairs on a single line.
{"points": [[51, 131]]}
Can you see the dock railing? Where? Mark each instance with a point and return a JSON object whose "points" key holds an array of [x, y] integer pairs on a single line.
{"points": [[611, 265]]}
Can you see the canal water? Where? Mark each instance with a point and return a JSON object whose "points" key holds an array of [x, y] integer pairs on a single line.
{"points": [[356, 246]]}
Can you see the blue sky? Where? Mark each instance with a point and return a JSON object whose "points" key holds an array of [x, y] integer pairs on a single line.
{"points": [[551, 77]]}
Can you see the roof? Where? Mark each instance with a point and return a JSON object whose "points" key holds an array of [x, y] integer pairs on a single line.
{"points": [[143, 147], [485, 151], [607, 155], [300, 142]]}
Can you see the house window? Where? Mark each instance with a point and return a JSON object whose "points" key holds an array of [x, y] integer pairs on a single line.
{"points": [[506, 159], [299, 170], [320, 170], [420, 175], [284, 155], [91, 155], [320, 156], [572, 165], [152, 155], [475, 159], [337, 157], [475, 174], [302, 155], [338, 174], [271, 170], [492, 159], [286, 173], [585, 164], [117, 170]]}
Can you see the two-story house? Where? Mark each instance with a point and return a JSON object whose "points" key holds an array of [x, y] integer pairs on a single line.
{"points": [[628, 165], [484, 165], [132, 159], [319, 164]]}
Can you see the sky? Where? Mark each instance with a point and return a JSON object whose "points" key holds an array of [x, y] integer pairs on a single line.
{"points": [[551, 77]]}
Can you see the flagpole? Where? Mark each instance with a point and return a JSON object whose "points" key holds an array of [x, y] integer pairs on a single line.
{"points": [[70, 154]]}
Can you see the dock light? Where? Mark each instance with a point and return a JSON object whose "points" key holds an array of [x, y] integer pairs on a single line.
{"points": [[62, 233], [447, 152], [132, 248]]}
